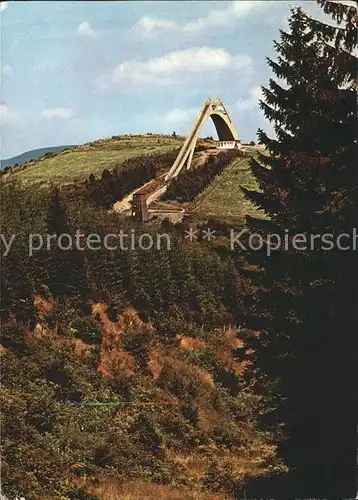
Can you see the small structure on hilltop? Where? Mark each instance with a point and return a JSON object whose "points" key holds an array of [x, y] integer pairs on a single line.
{"points": [[228, 145], [214, 109]]}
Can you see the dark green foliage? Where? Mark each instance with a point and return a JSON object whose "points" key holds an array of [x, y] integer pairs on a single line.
{"points": [[190, 183], [344, 33], [303, 303], [65, 267], [18, 220], [87, 329], [56, 221], [122, 180], [49, 444]]}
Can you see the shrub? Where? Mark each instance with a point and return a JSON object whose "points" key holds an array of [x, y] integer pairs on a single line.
{"points": [[87, 329]]}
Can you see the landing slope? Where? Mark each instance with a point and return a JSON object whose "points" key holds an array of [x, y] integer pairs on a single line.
{"points": [[223, 199]]}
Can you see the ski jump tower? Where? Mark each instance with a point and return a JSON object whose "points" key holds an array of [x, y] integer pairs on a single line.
{"points": [[215, 109], [228, 138]]}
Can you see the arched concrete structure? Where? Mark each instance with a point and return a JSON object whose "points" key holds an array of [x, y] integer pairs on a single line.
{"points": [[223, 129], [215, 109], [212, 108]]}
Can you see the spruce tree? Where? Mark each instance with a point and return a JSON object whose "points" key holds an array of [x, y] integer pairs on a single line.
{"points": [[303, 354], [56, 220], [341, 36], [66, 269], [344, 33]]}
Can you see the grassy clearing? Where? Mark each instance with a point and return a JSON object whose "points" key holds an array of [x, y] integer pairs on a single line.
{"points": [[223, 199], [78, 164], [112, 490]]}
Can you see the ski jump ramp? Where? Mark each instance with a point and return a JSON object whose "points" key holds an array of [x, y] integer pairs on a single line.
{"points": [[215, 109], [212, 108]]}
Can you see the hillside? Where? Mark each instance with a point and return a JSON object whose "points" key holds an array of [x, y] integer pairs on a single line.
{"points": [[212, 191], [77, 164], [34, 154], [115, 326], [224, 199]]}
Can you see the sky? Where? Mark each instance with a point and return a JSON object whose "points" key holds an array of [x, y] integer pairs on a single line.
{"points": [[77, 71]]}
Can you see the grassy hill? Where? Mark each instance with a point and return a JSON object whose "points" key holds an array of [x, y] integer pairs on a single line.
{"points": [[34, 154], [78, 163], [223, 199]]}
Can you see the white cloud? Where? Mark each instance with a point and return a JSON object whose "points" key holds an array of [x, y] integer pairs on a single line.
{"points": [[221, 17], [178, 116], [175, 66], [6, 70], [3, 6], [252, 102], [6, 115], [149, 26], [65, 113], [85, 29]]}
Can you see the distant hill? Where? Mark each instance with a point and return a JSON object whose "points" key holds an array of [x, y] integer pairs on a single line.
{"points": [[32, 155], [80, 161]]}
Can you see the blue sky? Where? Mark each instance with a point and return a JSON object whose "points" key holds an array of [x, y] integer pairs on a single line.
{"points": [[76, 71]]}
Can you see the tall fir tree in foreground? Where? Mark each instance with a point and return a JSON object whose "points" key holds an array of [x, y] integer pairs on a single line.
{"points": [[344, 33], [303, 299]]}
